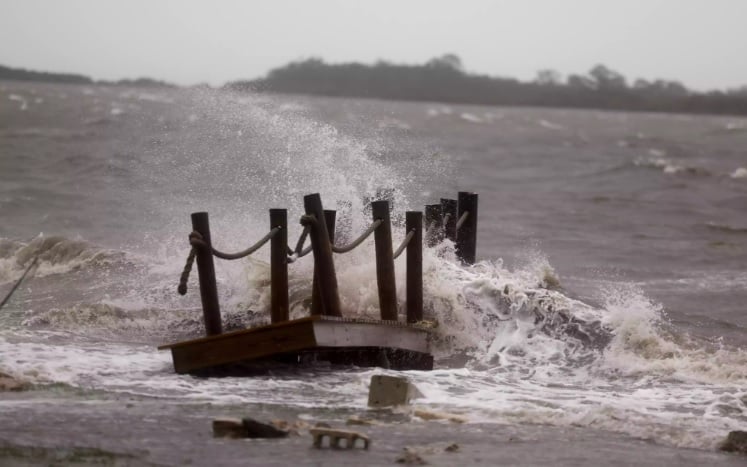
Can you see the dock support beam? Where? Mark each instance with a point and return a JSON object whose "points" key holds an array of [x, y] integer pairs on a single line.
{"points": [[385, 261], [206, 273], [433, 224], [324, 266], [449, 213], [279, 266], [414, 223], [330, 218], [466, 245]]}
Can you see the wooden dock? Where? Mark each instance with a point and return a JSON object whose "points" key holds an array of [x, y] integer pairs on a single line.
{"points": [[387, 344], [325, 336]]}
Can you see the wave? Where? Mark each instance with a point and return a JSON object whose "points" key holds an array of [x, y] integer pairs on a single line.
{"points": [[726, 228], [669, 167], [740, 172], [56, 255]]}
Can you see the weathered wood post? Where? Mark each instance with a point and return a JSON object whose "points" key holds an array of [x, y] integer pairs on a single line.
{"points": [[206, 274], [324, 265], [449, 213], [330, 217], [433, 224], [385, 261], [466, 246], [279, 266], [414, 223]]}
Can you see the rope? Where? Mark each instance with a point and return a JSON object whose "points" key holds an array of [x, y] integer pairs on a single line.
{"points": [[196, 240], [447, 216], [404, 243], [300, 252], [462, 219], [15, 286], [359, 240], [182, 289]]}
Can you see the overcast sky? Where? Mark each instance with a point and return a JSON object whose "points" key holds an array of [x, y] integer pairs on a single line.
{"points": [[702, 43]]}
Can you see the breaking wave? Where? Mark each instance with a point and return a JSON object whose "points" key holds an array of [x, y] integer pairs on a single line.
{"points": [[56, 255]]}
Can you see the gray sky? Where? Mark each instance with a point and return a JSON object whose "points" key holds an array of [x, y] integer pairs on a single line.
{"points": [[703, 43]]}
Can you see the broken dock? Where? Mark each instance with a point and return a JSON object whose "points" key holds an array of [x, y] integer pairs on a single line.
{"points": [[325, 335]]}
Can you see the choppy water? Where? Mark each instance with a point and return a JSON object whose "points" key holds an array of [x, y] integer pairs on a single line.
{"points": [[610, 294]]}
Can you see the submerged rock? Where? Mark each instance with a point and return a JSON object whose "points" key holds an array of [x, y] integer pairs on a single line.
{"points": [[736, 441], [255, 429], [245, 428], [388, 391]]}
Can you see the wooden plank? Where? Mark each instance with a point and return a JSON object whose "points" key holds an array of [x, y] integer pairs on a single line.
{"points": [[354, 334], [236, 333], [261, 342], [315, 333]]}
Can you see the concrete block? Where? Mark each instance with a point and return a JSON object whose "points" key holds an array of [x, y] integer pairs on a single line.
{"points": [[388, 391]]}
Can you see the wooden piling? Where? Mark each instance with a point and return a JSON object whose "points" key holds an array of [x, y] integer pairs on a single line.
{"points": [[433, 224], [324, 265], [414, 223], [449, 213], [279, 266], [385, 261], [466, 245], [330, 216], [206, 273]]}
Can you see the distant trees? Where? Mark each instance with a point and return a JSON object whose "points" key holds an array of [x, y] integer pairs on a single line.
{"points": [[20, 74], [443, 79]]}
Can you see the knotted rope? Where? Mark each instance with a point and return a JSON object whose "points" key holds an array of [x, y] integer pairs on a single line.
{"points": [[197, 241], [359, 240], [182, 289], [300, 252], [404, 243]]}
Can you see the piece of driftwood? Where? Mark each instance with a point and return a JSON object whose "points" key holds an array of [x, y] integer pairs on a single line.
{"points": [[336, 436]]}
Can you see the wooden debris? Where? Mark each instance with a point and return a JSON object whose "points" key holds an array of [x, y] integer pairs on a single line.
{"points": [[355, 420], [336, 436], [410, 457], [429, 415]]}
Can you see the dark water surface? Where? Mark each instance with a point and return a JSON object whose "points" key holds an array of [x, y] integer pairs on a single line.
{"points": [[608, 308]]}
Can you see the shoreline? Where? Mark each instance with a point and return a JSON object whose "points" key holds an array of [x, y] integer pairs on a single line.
{"points": [[51, 426]]}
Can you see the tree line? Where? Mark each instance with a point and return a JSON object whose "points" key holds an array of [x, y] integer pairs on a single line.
{"points": [[20, 74], [443, 79]]}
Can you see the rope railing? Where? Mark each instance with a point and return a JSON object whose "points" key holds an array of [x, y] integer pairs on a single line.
{"points": [[196, 240], [184, 278], [359, 240], [300, 251], [462, 220], [404, 244]]}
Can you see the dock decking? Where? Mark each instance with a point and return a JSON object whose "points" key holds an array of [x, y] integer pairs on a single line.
{"points": [[360, 342]]}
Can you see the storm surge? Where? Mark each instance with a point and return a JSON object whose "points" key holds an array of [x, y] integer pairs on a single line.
{"points": [[513, 343]]}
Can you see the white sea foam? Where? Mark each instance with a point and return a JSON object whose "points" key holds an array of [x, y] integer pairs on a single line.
{"points": [[549, 125], [667, 166], [23, 103], [740, 172], [470, 117]]}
